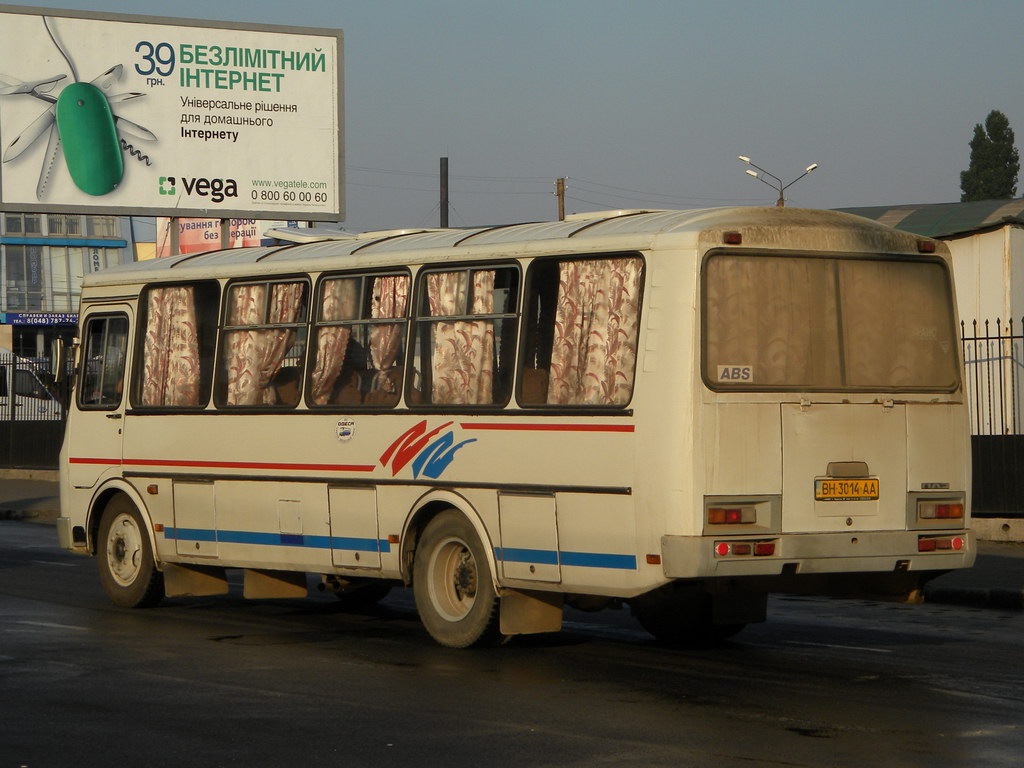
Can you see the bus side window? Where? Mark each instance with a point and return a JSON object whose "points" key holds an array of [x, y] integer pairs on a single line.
{"points": [[3, 381], [180, 327], [465, 337], [359, 341], [581, 331], [103, 362], [263, 344]]}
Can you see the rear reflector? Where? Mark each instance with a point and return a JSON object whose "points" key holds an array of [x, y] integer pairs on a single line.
{"points": [[732, 238], [926, 246]]}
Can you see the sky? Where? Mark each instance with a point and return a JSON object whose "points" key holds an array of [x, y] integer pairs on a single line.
{"points": [[648, 103]]}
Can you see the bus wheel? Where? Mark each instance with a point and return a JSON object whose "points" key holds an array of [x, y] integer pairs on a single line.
{"points": [[681, 617], [127, 570], [452, 584]]}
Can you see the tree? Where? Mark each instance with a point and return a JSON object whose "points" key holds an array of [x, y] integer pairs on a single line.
{"points": [[992, 174]]}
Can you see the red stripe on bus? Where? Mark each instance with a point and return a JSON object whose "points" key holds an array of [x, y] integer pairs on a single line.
{"points": [[554, 427], [249, 465], [228, 465]]}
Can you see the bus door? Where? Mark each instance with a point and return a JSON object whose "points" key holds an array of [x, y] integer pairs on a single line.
{"points": [[95, 437]]}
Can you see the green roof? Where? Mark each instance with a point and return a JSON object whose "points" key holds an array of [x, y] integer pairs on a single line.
{"points": [[946, 219]]}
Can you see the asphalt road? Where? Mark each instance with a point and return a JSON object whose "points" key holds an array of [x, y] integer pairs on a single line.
{"points": [[224, 682]]}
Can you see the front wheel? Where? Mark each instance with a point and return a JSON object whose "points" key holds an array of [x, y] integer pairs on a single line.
{"points": [[452, 584], [127, 570]]}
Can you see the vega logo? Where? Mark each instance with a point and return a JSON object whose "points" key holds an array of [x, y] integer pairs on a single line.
{"points": [[215, 189], [430, 455]]}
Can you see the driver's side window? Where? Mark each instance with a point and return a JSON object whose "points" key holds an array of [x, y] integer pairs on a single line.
{"points": [[101, 384]]}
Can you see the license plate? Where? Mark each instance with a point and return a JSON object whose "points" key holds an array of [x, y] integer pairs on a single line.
{"points": [[864, 489]]}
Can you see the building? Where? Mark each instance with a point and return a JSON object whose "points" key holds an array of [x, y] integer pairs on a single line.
{"points": [[43, 258], [986, 242]]}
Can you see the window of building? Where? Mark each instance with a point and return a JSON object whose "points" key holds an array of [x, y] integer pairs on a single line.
{"points": [[360, 341], [63, 224], [23, 223], [180, 332], [263, 343], [582, 320], [465, 336], [103, 226], [23, 278]]}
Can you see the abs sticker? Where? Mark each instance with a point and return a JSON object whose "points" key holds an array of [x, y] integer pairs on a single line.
{"points": [[346, 429], [736, 374]]}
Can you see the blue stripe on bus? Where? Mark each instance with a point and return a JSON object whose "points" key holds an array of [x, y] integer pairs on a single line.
{"points": [[278, 539], [539, 556], [576, 559]]}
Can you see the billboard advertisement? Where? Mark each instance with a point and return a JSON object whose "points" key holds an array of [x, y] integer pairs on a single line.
{"points": [[201, 235], [172, 117]]}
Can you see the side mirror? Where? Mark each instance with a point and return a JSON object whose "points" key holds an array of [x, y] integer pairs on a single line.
{"points": [[57, 367]]}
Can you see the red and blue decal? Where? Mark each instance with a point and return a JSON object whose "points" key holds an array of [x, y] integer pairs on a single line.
{"points": [[430, 455]]}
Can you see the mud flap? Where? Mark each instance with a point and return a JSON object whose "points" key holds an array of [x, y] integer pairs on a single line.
{"points": [[529, 613]]}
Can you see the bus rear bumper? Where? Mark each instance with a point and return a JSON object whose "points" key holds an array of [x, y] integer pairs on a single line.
{"points": [[696, 557]]}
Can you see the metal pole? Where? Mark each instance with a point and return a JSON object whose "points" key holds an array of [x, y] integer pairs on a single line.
{"points": [[444, 192]]}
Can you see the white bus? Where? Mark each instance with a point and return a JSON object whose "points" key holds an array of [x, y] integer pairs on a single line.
{"points": [[678, 410]]}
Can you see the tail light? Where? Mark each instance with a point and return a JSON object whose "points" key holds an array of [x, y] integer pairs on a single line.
{"points": [[940, 543], [744, 548], [940, 509], [732, 515]]}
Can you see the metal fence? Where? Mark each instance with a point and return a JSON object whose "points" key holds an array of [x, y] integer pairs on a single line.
{"points": [[32, 413], [994, 358]]}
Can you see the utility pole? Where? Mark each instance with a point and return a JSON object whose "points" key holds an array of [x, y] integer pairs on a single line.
{"points": [[560, 192], [444, 193]]}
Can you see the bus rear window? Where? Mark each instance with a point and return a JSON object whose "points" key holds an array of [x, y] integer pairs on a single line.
{"points": [[827, 324]]}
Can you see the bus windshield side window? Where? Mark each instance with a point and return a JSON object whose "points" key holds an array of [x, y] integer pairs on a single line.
{"points": [[263, 345], [103, 362], [179, 323], [581, 331], [465, 336], [360, 341]]}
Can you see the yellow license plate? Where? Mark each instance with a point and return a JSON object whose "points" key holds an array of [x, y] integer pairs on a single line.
{"points": [[853, 489]]}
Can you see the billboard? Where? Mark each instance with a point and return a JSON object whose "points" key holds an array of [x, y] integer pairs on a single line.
{"points": [[201, 235], [136, 115]]}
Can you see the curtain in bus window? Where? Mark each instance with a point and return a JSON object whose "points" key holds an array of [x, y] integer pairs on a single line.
{"points": [[389, 299], [593, 354], [254, 356], [776, 316], [897, 328], [338, 303], [462, 361], [171, 370]]}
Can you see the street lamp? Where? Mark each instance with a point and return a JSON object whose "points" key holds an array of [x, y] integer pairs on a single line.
{"points": [[778, 185]]}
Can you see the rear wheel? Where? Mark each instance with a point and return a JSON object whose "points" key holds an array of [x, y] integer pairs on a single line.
{"points": [[127, 570], [452, 583], [682, 617]]}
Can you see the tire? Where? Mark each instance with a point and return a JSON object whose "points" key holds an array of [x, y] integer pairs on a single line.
{"points": [[452, 584], [127, 570], [681, 618]]}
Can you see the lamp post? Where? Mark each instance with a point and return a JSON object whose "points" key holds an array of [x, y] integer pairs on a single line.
{"points": [[778, 185]]}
